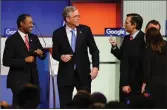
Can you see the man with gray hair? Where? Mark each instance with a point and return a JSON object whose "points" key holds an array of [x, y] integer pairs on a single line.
{"points": [[70, 48]]}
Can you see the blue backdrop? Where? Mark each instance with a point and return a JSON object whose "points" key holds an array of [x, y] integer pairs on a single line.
{"points": [[47, 14]]}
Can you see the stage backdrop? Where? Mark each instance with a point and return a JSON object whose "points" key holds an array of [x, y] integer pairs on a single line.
{"points": [[46, 14]]}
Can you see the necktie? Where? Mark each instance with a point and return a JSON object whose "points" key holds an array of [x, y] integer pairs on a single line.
{"points": [[131, 37], [73, 40], [27, 42]]}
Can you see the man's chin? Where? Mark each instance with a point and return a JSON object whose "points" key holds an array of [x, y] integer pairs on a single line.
{"points": [[27, 32], [77, 24], [30, 30]]}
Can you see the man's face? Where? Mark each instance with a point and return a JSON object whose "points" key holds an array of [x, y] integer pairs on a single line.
{"points": [[27, 24], [128, 26], [153, 25], [74, 18]]}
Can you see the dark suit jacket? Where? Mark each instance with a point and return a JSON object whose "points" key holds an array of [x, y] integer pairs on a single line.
{"points": [[155, 67], [14, 56], [80, 57], [155, 76], [130, 55]]}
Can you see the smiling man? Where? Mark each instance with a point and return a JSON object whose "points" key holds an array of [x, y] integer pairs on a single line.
{"points": [[20, 54], [70, 48]]}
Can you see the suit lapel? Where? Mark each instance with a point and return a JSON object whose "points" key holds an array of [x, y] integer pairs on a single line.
{"points": [[79, 38], [65, 39], [30, 42], [138, 36], [21, 41]]}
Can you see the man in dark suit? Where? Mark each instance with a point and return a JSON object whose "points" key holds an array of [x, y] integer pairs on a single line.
{"points": [[20, 53], [70, 48], [130, 55]]}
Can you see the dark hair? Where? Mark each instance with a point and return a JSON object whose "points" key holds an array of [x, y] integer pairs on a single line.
{"points": [[82, 99], [155, 22], [21, 18], [98, 97], [28, 96], [116, 105], [155, 40], [136, 19]]}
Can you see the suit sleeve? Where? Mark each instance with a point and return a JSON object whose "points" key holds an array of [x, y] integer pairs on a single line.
{"points": [[124, 66], [9, 58], [93, 49], [116, 51], [39, 46], [124, 70], [56, 54]]}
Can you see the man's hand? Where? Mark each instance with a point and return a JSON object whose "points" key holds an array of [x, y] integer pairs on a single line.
{"points": [[29, 59], [94, 73], [4, 104], [39, 52], [112, 42], [143, 87], [126, 89], [66, 58]]}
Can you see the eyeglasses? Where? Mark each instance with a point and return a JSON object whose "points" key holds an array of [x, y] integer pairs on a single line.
{"points": [[76, 16]]}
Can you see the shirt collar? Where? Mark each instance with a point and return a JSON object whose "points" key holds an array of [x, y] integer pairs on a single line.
{"points": [[69, 29], [22, 34], [134, 35]]}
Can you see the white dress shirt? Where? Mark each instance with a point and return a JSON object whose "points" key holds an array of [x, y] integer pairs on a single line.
{"points": [[134, 35], [22, 35], [69, 34]]}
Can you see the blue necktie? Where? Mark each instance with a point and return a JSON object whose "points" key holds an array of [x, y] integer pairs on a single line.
{"points": [[73, 40]]}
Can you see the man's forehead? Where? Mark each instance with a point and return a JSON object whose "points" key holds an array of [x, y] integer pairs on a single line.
{"points": [[128, 18], [153, 25]]}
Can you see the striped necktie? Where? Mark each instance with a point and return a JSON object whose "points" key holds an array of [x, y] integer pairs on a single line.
{"points": [[131, 37], [27, 42]]}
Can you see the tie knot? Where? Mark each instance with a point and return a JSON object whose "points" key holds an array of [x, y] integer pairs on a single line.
{"points": [[131, 37], [72, 31], [26, 35]]}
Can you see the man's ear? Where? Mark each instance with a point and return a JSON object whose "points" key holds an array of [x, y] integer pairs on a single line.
{"points": [[21, 23], [67, 19], [134, 25]]}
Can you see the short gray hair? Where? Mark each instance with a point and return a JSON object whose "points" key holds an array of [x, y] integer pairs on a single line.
{"points": [[67, 11]]}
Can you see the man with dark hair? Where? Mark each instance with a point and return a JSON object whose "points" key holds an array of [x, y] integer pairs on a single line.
{"points": [[20, 54], [153, 23], [130, 55]]}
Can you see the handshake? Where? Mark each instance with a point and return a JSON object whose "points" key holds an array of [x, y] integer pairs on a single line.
{"points": [[30, 58]]}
